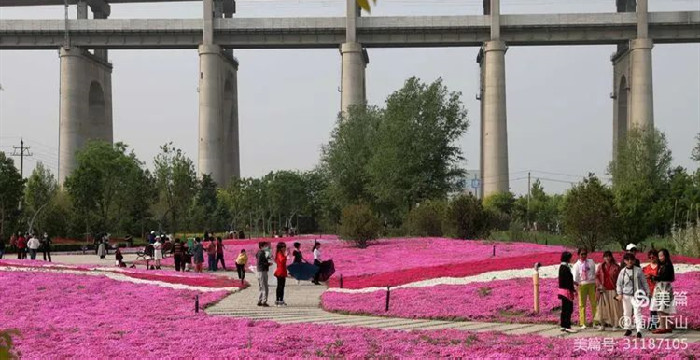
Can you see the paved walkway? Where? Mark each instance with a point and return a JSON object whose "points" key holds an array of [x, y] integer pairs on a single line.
{"points": [[304, 300]]}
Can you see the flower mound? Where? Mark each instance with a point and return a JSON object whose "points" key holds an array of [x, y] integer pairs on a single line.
{"points": [[497, 301], [91, 317]]}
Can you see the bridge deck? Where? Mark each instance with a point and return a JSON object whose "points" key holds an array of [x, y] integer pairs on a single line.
{"points": [[73, 2], [329, 32]]}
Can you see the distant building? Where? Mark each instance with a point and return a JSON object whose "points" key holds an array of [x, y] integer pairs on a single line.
{"points": [[472, 184]]}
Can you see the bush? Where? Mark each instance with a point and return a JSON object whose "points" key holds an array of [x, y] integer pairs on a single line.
{"points": [[359, 225], [467, 219], [687, 241], [426, 219]]}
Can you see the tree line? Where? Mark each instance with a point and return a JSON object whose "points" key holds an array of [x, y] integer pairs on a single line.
{"points": [[394, 169]]}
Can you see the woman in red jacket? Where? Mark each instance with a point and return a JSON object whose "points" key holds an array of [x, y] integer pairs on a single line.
{"points": [[281, 272]]}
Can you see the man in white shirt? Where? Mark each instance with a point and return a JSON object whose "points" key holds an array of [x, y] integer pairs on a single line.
{"points": [[33, 245], [584, 276]]}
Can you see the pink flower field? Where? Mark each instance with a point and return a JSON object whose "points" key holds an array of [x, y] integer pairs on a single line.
{"points": [[166, 276], [497, 301], [92, 317]]}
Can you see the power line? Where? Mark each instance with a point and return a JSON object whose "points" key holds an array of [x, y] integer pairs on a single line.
{"points": [[23, 151]]}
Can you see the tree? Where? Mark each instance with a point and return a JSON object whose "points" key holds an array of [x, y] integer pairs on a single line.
{"points": [[102, 184], [346, 155], [696, 150], [588, 213], [205, 205], [416, 157], [176, 183], [39, 194], [11, 188], [359, 225], [467, 219], [501, 205], [639, 174], [426, 219]]}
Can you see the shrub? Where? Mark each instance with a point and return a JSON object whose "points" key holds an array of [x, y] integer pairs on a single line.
{"points": [[467, 219], [687, 241], [426, 219], [359, 225]]}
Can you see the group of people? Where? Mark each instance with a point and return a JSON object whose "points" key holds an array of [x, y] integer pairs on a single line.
{"points": [[265, 260], [616, 293], [28, 244]]}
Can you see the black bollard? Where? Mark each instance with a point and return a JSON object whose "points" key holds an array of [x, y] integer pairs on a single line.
{"points": [[494, 250], [341, 281], [196, 304], [386, 305]]}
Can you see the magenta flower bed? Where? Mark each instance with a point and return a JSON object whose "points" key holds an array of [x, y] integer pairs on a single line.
{"points": [[497, 301], [89, 317], [189, 279]]}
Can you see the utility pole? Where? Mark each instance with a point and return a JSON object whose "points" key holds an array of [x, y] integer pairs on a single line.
{"points": [[528, 200], [23, 151]]}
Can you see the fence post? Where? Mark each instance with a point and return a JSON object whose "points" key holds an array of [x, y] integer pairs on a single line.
{"points": [[341, 281], [494, 250], [196, 304], [536, 285], [386, 305]]}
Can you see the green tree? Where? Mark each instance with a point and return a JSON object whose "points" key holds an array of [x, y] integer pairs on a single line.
{"points": [[640, 174], [696, 150], [426, 219], [359, 225], [39, 194], [416, 157], [11, 188], [346, 155], [205, 205], [501, 205], [589, 213], [467, 219], [176, 183], [101, 185]]}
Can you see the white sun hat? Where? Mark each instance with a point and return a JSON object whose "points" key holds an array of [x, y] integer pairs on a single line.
{"points": [[630, 247]]}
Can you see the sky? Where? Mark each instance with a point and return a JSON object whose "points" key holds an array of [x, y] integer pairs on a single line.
{"points": [[559, 107]]}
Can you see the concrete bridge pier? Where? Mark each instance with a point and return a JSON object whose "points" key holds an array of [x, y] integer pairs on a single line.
{"points": [[633, 93], [218, 115], [494, 125], [354, 62], [85, 95], [219, 154], [353, 88], [85, 105]]}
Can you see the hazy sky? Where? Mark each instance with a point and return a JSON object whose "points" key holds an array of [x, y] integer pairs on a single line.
{"points": [[559, 110]]}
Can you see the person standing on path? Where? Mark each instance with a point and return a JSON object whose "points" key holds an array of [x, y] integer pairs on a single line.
{"points": [[584, 276], [662, 301], [281, 272], [263, 267], [2, 248], [241, 261], [178, 255], [33, 244], [650, 271], [317, 261], [46, 246], [102, 249], [220, 253], [609, 309], [198, 254], [566, 292], [298, 258], [211, 254], [629, 283], [21, 247], [158, 252]]}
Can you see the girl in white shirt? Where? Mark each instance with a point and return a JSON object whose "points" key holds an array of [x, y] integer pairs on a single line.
{"points": [[317, 261]]}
